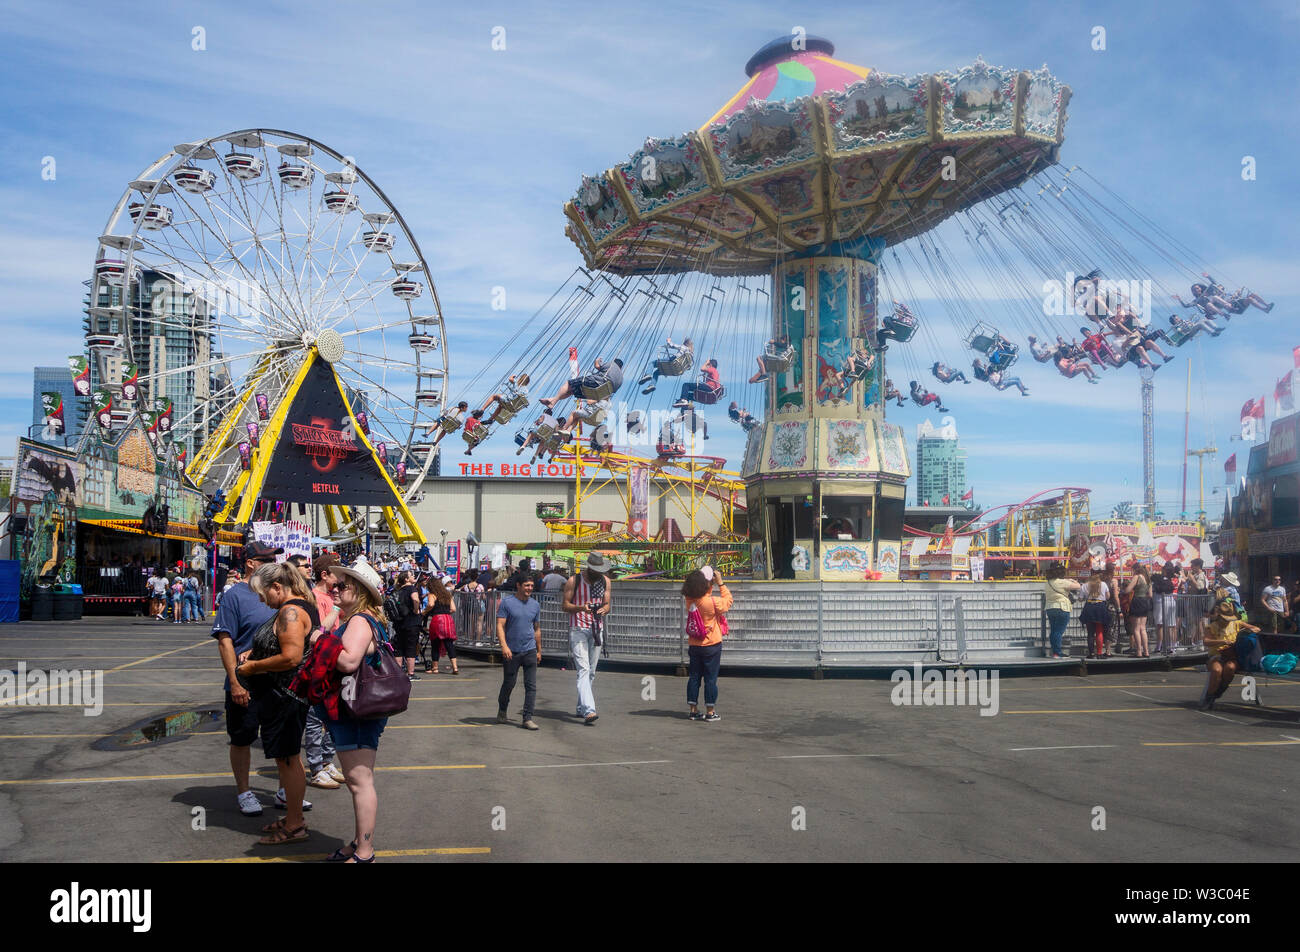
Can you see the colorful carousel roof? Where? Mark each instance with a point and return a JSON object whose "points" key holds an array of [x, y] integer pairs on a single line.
{"points": [[817, 156]]}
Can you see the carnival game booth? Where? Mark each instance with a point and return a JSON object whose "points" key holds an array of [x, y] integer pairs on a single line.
{"points": [[102, 516]]}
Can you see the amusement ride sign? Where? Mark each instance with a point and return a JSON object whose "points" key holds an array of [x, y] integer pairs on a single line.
{"points": [[320, 457]]}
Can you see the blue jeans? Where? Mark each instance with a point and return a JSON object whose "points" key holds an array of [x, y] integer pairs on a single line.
{"points": [[191, 606], [705, 661], [319, 746], [1058, 619], [586, 654]]}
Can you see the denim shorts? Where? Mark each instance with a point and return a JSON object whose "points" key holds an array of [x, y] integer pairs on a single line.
{"points": [[352, 734]]}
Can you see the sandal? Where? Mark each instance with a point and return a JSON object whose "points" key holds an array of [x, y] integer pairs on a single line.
{"points": [[338, 856], [354, 858], [274, 825], [284, 835]]}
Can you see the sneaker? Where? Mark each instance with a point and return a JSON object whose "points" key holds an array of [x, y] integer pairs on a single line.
{"points": [[249, 805], [712, 716], [335, 773], [283, 804], [645, 380], [323, 780], [529, 725], [647, 391], [503, 717], [590, 718], [415, 677], [694, 716]]}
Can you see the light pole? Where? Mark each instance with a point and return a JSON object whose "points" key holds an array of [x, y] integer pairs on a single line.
{"points": [[442, 553]]}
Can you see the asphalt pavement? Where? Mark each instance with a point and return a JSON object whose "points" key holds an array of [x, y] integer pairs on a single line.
{"points": [[1110, 767]]}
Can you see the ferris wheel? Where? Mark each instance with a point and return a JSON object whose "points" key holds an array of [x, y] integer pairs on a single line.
{"points": [[228, 263]]}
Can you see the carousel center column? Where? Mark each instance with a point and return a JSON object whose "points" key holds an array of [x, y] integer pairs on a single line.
{"points": [[825, 475]]}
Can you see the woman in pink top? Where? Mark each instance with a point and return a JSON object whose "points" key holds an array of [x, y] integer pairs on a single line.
{"points": [[705, 650]]}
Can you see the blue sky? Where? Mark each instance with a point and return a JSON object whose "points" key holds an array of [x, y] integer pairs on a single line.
{"points": [[480, 148]]}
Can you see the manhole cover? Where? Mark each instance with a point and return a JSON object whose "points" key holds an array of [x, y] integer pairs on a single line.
{"points": [[160, 730]]}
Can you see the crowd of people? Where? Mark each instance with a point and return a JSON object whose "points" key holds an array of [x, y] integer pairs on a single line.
{"points": [[1186, 607], [292, 634]]}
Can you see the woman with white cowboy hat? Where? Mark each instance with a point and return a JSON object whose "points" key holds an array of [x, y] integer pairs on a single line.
{"points": [[586, 598], [361, 630]]}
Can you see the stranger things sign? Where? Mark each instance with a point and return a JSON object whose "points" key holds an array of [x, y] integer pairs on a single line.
{"points": [[319, 456]]}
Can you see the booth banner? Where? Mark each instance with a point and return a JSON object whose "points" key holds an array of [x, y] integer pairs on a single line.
{"points": [[79, 367], [293, 537], [163, 407], [319, 456], [102, 407], [1124, 543], [846, 560], [888, 556], [130, 382], [638, 516], [52, 409], [1282, 441], [452, 560]]}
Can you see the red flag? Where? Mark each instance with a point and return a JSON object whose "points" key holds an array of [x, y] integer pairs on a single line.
{"points": [[1295, 355], [1230, 467], [1252, 408], [1283, 395], [969, 495], [945, 499]]}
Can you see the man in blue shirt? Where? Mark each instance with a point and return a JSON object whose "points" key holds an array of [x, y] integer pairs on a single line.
{"points": [[519, 631], [239, 616]]}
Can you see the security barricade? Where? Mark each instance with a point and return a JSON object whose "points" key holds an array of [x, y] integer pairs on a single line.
{"points": [[775, 624]]}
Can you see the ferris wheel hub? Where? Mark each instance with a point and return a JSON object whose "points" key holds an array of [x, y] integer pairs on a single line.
{"points": [[329, 344]]}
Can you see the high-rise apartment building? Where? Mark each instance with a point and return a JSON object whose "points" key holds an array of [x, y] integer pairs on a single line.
{"points": [[940, 465]]}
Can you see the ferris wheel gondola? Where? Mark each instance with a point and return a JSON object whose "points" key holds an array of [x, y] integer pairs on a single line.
{"points": [[220, 295]]}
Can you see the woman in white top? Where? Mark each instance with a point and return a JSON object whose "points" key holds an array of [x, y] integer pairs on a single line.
{"points": [[1059, 591]]}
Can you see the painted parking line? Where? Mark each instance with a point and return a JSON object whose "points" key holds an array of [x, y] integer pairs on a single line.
{"points": [[1072, 747], [1222, 743], [825, 756], [459, 698], [1099, 710], [318, 857], [620, 763], [262, 772], [390, 727]]}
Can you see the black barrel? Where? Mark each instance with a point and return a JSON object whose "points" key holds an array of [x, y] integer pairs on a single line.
{"points": [[68, 606], [42, 604]]}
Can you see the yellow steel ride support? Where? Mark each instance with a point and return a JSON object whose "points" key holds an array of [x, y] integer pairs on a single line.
{"points": [[220, 438]]}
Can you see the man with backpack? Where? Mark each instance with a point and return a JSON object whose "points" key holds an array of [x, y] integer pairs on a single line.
{"points": [[404, 611]]}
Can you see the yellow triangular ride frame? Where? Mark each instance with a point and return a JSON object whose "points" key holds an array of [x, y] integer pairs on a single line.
{"points": [[248, 487]]}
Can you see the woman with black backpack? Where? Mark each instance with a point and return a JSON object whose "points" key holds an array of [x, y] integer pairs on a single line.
{"points": [[407, 616]]}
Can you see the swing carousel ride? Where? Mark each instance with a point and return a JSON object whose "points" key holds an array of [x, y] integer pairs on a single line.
{"points": [[742, 265]]}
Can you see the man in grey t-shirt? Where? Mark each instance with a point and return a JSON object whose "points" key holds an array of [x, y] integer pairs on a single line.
{"points": [[519, 633]]}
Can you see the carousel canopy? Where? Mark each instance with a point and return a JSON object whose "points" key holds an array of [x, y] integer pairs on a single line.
{"points": [[817, 156]]}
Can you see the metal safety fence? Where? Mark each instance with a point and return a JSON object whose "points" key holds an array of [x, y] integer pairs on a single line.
{"points": [[800, 624]]}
